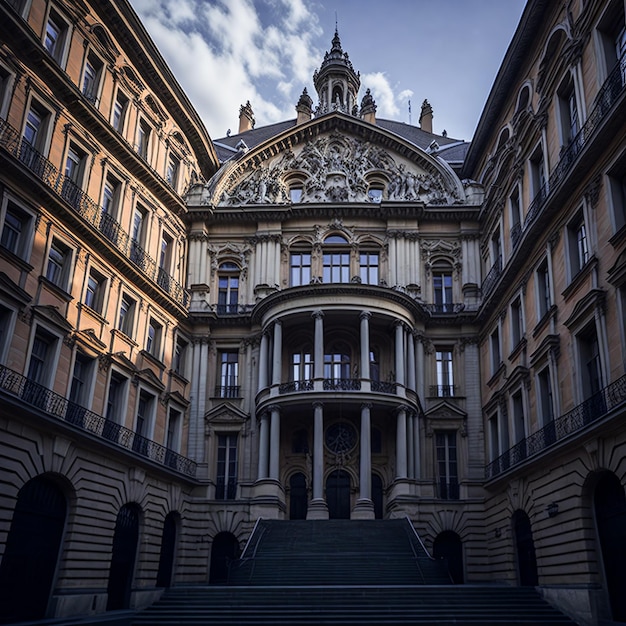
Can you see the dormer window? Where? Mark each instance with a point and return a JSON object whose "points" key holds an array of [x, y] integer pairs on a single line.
{"points": [[295, 193], [375, 194]]}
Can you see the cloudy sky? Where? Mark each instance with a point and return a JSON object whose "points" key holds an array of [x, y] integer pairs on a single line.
{"points": [[225, 52]]}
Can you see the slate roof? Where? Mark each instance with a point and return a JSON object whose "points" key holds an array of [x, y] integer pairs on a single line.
{"points": [[453, 154]]}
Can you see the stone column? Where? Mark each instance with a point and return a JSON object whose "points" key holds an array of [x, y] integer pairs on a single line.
{"points": [[401, 446], [263, 447], [410, 383], [317, 507], [365, 345], [278, 346], [318, 350], [364, 508], [274, 442], [263, 361], [410, 452], [400, 353], [416, 448]]}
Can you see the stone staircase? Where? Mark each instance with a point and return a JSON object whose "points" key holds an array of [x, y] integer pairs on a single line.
{"points": [[344, 572]]}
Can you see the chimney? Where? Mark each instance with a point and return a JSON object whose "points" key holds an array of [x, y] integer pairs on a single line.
{"points": [[368, 108], [246, 118], [426, 117], [304, 108]]}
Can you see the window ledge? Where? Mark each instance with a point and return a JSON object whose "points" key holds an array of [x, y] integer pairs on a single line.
{"points": [[580, 277], [496, 376], [153, 359], [619, 237], [182, 379], [15, 260], [521, 345], [122, 335], [543, 322], [58, 291], [92, 313]]}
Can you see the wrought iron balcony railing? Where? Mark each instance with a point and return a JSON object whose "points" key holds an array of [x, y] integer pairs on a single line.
{"points": [[446, 308], [384, 387], [295, 386], [612, 89], [448, 490], [443, 391], [89, 210], [55, 405], [492, 277], [341, 384], [587, 412], [228, 391]]}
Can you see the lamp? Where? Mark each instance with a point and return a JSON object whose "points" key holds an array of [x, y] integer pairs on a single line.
{"points": [[552, 509]]}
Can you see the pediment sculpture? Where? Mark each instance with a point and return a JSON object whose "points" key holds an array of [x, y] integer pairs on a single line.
{"points": [[335, 168]]}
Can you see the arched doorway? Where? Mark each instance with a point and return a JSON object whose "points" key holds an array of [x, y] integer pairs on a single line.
{"points": [[123, 555], [338, 494], [32, 551], [609, 504], [525, 549], [225, 549], [168, 550], [377, 495], [298, 500], [448, 545]]}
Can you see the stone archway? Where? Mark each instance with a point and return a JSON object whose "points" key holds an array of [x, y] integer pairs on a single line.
{"points": [[298, 499], [338, 494], [448, 545], [32, 550], [225, 549], [524, 549], [123, 557]]}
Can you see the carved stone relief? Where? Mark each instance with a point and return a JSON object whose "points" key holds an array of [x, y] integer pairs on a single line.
{"points": [[334, 168]]}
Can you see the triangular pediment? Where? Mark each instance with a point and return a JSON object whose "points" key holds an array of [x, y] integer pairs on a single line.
{"points": [[445, 410], [88, 342], [52, 315], [150, 377], [226, 413], [13, 291], [335, 158]]}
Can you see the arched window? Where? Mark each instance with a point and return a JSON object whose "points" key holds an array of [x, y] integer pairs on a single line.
{"points": [[228, 289], [336, 260], [300, 267], [525, 549], [448, 546], [298, 499], [32, 551], [123, 556], [225, 548], [168, 549], [609, 503]]}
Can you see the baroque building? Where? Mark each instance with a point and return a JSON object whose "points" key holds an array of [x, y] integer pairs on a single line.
{"points": [[332, 317]]}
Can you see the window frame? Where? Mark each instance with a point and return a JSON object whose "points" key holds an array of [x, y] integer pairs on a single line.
{"points": [[60, 48], [50, 360], [119, 122], [228, 285], [154, 342], [517, 321], [8, 317], [369, 272], [300, 272], [336, 260], [444, 371], [25, 237], [449, 488], [64, 262], [130, 312], [226, 488], [96, 301], [578, 249], [228, 374], [443, 293], [92, 77], [7, 80], [543, 289]]}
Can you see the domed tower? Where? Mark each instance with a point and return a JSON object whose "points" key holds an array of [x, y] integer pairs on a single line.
{"points": [[336, 82]]}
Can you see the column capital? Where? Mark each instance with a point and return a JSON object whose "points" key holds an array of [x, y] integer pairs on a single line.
{"points": [[366, 405], [273, 408], [401, 409], [318, 405], [365, 315], [317, 314]]}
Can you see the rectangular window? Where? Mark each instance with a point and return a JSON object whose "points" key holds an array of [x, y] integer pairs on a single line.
{"points": [[59, 261], [568, 112], [56, 37], [302, 366], [516, 217], [577, 245], [35, 138], [519, 421], [171, 173], [153, 339], [143, 139], [116, 399], [228, 289], [226, 479], [545, 400], [589, 355], [496, 353], [92, 75], [180, 356], [442, 291], [445, 379], [41, 357], [336, 267], [300, 268], [137, 253], [6, 83], [80, 388], [544, 297], [447, 465], [126, 317], [118, 116], [172, 437], [369, 268], [17, 230], [164, 279], [6, 330], [538, 176], [94, 290], [142, 422], [617, 182], [75, 165], [229, 375], [494, 437], [517, 322]]}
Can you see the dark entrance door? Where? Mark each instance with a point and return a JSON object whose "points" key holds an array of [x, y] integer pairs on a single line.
{"points": [[448, 546], [610, 508], [298, 500], [525, 546], [338, 495], [377, 495], [32, 551], [168, 547], [123, 556], [225, 549]]}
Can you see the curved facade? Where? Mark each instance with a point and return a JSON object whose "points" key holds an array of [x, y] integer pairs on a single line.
{"points": [[336, 316]]}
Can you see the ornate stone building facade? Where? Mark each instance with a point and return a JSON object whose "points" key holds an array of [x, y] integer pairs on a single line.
{"points": [[336, 316]]}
